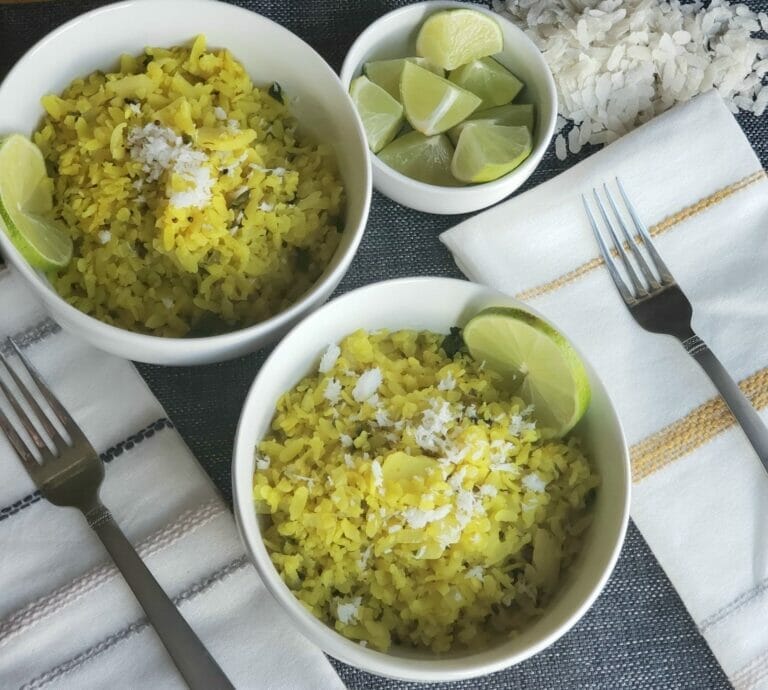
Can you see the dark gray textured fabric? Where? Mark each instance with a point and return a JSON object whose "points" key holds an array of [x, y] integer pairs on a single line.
{"points": [[638, 634]]}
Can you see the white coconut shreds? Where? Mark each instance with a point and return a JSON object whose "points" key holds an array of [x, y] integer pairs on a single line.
{"points": [[159, 148], [367, 384], [618, 63], [329, 358], [332, 392], [347, 612]]}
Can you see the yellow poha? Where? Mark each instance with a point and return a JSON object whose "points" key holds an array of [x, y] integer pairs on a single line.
{"points": [[194, 203], [412, 500]]}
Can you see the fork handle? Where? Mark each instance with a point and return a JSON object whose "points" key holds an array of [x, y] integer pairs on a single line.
{"points": [[193, 660], [742, 408]]}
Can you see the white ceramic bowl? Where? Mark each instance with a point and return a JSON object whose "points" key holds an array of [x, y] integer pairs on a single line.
{"points": [[394, 36], [269, 53], [429, 304]]}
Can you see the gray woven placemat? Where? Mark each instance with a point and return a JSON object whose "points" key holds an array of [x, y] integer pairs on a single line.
{"points": [[638, 634]]}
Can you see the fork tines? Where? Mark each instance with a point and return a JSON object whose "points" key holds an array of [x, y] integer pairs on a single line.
{"points": [[629, 249], [44, 449]]}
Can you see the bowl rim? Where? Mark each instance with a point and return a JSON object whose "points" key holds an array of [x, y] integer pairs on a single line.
{"points": [[329, 640], [164, 345], [368, 38]]}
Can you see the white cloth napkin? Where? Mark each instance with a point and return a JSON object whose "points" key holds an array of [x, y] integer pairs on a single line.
{"points": [[67, 618], [700, 495]]}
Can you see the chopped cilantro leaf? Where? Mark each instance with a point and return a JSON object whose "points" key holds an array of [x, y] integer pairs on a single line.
{"points": [[276, 92], [453, 343]]}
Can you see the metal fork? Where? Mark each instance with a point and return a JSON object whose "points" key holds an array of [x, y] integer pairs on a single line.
{"points": [[70, 474], [659, 305]]}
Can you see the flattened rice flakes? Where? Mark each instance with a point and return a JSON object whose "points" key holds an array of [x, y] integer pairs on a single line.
{"points": [[412, 500], [194, 203]]}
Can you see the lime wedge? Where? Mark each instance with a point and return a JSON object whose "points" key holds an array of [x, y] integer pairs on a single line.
{"points": [[381, 114], [427, 159], [486, 78], [433, 104], [486, 152], [512, 115], [517, 343], [386, 73], [26, 202], [453, 38]]}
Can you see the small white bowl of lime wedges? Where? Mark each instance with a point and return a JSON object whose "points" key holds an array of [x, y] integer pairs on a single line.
{"points": [[458, 104]]}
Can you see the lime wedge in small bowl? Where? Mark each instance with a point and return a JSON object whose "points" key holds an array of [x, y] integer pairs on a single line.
{"points": [[426, 159], [486, 152], [511, 115], [387, 73], [525, 348], [453, 38], [25, 205], [433, 104], [381, 114], [489, 80]]}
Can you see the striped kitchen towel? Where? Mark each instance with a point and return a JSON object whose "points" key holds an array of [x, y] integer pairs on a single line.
{"points": [[700, 495], [67, 618]]}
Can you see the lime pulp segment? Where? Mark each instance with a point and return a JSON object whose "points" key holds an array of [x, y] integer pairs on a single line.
{"points": [[387, 73], [25, 204], [427, 159], [382, 115], [453, 38], [512, 115], [486, 152], [489, 80], [433, 104], [520, 345]]}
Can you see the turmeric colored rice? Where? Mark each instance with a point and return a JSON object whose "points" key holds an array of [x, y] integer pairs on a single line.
{"points": [[195, 202], [412, 499]]}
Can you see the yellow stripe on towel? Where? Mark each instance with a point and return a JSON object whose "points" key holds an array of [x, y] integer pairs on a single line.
{"points": [[694, 430], [655, 230]]}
